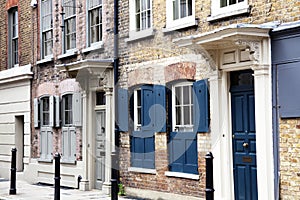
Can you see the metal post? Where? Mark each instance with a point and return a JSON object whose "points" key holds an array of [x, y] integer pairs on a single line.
{"points": [[209, 190], [57, 177], [114, 181], [13, 170]]}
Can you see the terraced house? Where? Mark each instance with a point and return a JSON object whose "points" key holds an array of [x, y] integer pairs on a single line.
{"points": [[72, 93], [15, 84]]}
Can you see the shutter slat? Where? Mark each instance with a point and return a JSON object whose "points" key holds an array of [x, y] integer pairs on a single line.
{"points": [[72, 143], [147, 112], [49, 144], [65, 143], [57, 111]]}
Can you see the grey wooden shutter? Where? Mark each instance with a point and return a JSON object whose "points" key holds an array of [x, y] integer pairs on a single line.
{"points": [[65, 144], [43, 144], [51, 111], [36, 112], [122, 115], [72, 136], [49, 144], [77, 109], [57, 111]]}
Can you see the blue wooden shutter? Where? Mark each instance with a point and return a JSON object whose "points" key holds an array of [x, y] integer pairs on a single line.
{"points": [[160, 108], [201, 106], [142, 142], [183, 153], [147, 102], [122, 114]]}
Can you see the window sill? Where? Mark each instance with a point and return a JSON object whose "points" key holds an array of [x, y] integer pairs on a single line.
{"points": [[45, 60], [93, 47], [45, 160], [222, 15], [180, 24], [182, 175], [137, 35], [70, 162], [69, 53], [142, 170]]}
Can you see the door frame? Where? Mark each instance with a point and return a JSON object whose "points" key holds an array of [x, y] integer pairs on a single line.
{"points": [[221, 132]]}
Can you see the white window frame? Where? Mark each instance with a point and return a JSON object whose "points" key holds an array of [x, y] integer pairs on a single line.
{"points": [[98, 7], [180, 126], [137, 109], [13, 28], [69, 16], [218, 12], [64, 124], [184, 22], [135, 34], [46, 28]]}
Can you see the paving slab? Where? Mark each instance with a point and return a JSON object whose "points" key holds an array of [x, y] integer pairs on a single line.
{"points": [[26, 191]]}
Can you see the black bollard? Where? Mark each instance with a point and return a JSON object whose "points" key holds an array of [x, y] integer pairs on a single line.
{"points": [[114, 175], [13, 171], [57, 177], [209, 190], [114, 189]]}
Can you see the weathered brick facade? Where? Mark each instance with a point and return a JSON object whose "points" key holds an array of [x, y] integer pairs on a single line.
{"points": [[143, 62]]}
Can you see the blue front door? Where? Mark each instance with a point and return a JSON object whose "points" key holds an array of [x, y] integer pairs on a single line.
{"points": [[244, 142]]}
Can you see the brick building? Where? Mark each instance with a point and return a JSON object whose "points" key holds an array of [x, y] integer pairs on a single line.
{"points": [[167, 47], [72, 93], [15, 83]]}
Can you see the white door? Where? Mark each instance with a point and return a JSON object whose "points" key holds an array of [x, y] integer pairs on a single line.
{"points": [[100, 149]]}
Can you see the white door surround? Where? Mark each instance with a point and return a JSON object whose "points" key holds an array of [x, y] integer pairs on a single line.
{"points": [[235, 49]]}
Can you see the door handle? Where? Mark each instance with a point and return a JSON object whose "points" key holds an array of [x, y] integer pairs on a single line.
{"points": [[245, 144]]}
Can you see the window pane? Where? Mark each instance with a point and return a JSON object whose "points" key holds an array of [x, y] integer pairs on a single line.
{"points": [[95, 25], [175, 9], [178, 115], [182, 8], [223, 3], [139, 111], [70, 33], [139, 97], [186, 95], [137, 6], [186, 115], [148, 19], [178, 95], [232, 2], [67, 109], [144, 20], [100, 98], [45, 111], [190, 6]]}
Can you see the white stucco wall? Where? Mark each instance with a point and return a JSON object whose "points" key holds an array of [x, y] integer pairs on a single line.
{"points": [[14, 102]]}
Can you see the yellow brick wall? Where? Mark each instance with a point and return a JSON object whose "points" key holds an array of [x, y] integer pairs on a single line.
{"points": [[289, 148]]}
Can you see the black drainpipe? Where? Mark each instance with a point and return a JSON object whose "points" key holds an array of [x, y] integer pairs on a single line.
{"points": [[115, 155]]}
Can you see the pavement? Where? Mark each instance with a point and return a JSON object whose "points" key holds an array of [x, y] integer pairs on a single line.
{"points": [[28, 191]]}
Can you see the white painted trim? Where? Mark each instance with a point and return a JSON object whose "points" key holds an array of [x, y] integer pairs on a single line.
{"points": [[93, 47], [69, 53], [182, 175], [178, 23], [216, 10], [240, 10], [136, 35], [45, 60], [142, 170]]}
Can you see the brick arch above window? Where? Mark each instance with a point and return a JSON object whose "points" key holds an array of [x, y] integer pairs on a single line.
{"points": [[11, 3], [181, 70], [45, 89], [69, 85]]}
